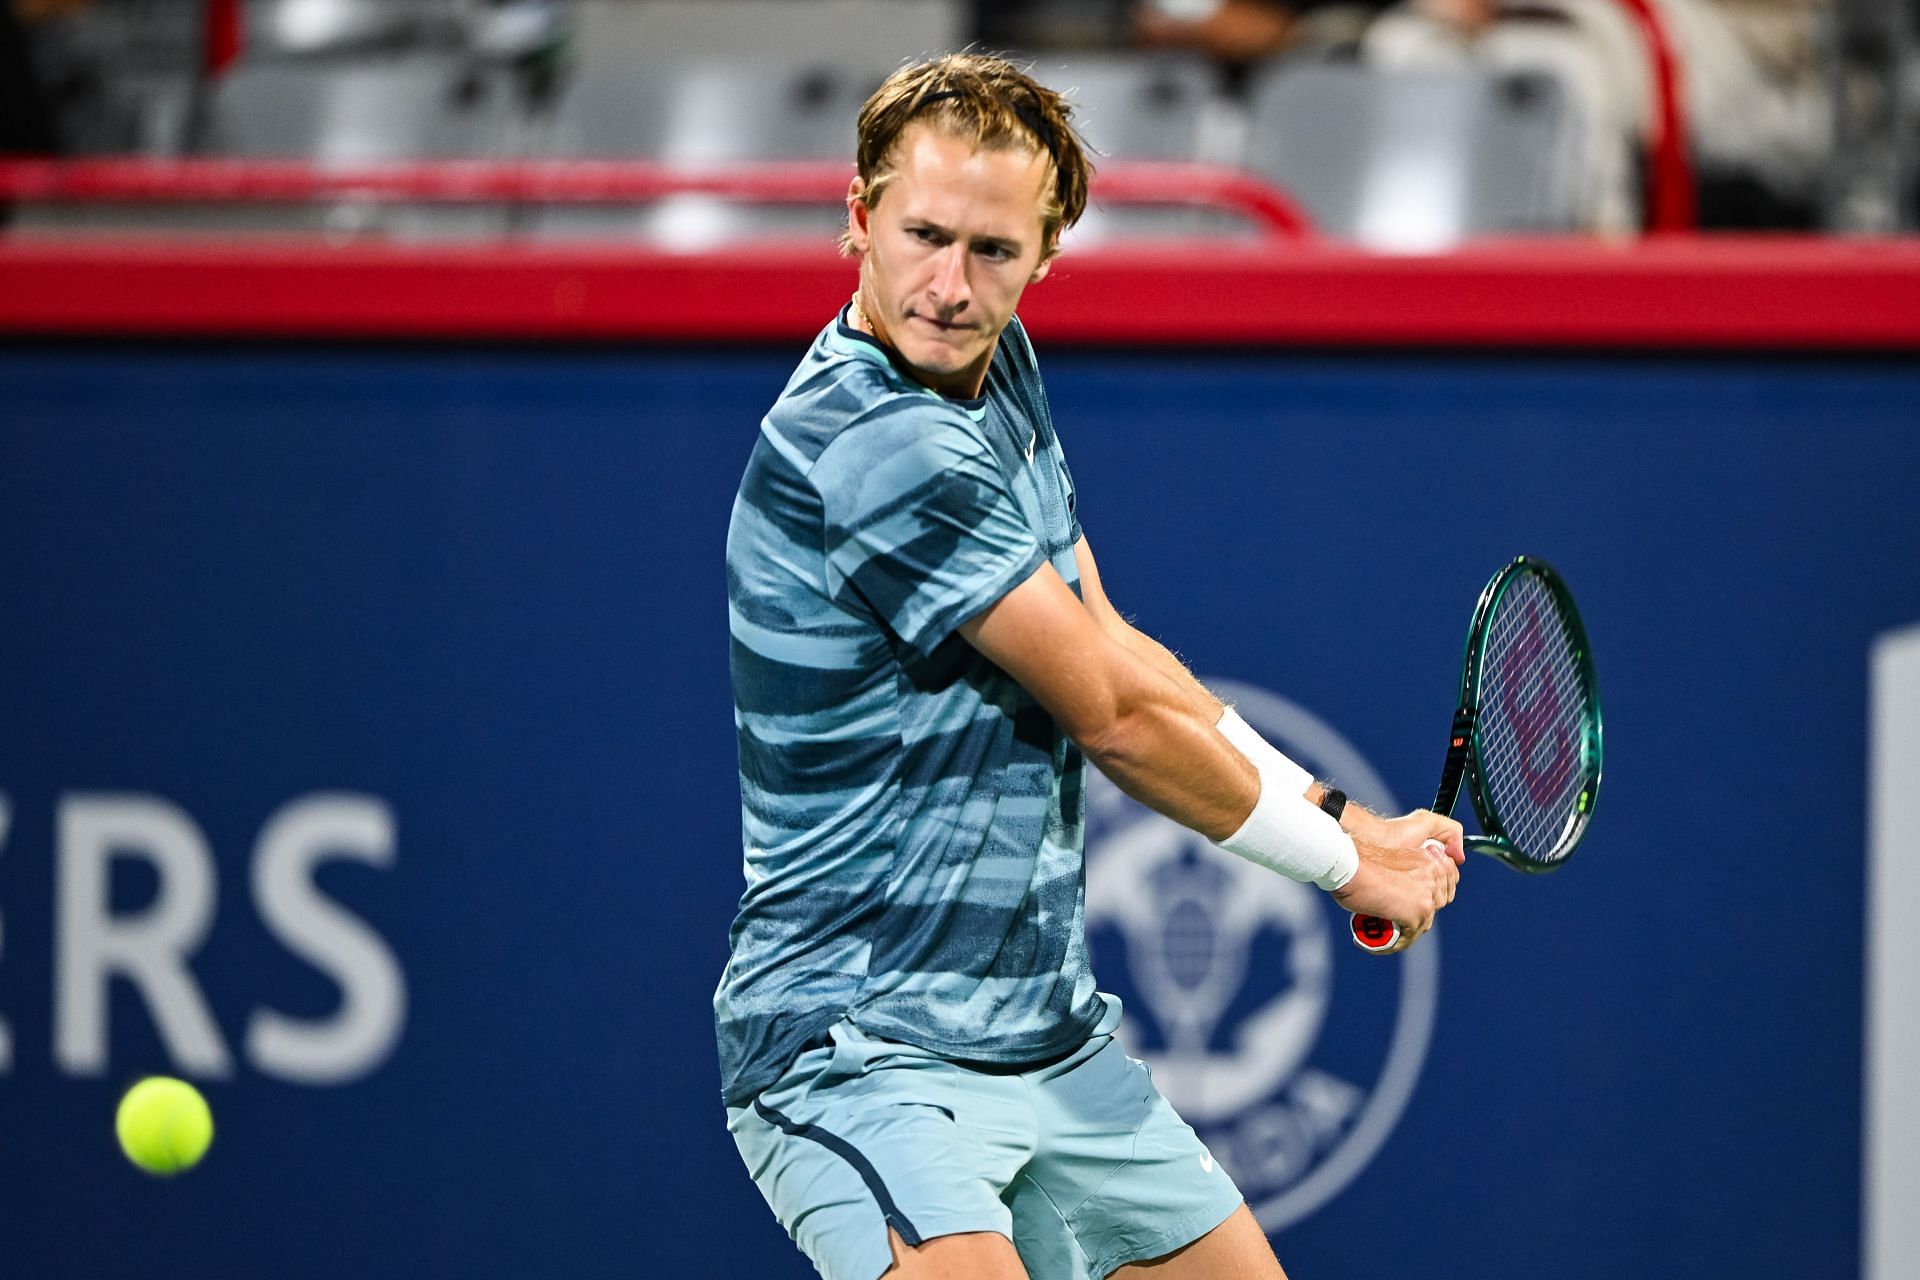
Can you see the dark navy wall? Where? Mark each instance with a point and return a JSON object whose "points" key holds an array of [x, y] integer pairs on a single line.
{"points": [[483, 588]]}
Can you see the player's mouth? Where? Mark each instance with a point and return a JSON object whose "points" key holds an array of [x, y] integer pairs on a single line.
{"points": [[942, 326]]}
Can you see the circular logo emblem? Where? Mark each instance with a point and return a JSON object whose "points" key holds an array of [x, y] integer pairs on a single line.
{"points": [[1288, 1049]]}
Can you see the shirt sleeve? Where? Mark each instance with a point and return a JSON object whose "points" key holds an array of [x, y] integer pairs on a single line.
{"points": [[921, 526]]}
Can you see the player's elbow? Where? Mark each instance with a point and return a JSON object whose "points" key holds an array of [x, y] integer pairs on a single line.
{"points": [[1118, 735], [1117, 747]]}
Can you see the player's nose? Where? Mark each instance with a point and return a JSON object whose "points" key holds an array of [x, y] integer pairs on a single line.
{"points": [[950, 289]]}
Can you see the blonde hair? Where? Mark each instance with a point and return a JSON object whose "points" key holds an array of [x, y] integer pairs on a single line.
{"points": [[990, 103]]}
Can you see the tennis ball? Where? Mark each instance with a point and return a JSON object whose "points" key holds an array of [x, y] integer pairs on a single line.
{"points": [[164, 1125]]}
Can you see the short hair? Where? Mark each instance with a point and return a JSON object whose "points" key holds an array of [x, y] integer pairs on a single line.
{"points": [[991, 103]]}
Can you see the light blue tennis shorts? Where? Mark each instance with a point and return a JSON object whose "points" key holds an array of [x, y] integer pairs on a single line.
{"points": [[1081, 1163]]}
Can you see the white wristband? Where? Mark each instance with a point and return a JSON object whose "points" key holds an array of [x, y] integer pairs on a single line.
{"points": [[1285, 832], [1275, 769]]}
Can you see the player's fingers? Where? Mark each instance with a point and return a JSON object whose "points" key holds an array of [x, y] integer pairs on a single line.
{"points": [[1440, 894], [1443, 872], [1450, 834], [1425, 922]]}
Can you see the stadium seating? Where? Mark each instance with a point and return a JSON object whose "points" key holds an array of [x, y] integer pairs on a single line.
{"points": [[369, 110], [378, 109], [701, 112], [1394, 159], [1416, 160], [1146, 107]]}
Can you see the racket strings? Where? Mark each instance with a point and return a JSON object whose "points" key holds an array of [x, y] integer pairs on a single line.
{"points": [[1532, 733]]}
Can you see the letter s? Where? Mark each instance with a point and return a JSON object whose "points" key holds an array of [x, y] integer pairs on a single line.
{"points": [[358, 1036]]}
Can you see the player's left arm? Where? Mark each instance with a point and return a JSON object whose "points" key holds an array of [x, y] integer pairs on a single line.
{"points": [[1131, 638], [1158, 739]]}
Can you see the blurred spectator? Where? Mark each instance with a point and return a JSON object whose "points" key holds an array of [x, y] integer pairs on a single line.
{"points": [[26, 113], [1050, 25], [1235, 33], [1242, 32], [1753, 88]]}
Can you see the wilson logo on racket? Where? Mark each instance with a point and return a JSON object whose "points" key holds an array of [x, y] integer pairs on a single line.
{"points": [[1533, 705]]}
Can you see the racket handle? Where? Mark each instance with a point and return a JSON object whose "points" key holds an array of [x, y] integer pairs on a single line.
{"points": [[1374, 933], [1377, 934]]}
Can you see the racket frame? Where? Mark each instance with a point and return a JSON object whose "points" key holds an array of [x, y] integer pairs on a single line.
{"points": [[1464, 744]]}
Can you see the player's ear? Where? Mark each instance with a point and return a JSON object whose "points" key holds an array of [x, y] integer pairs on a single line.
{"points": [[859, 234], [1046, 264]]}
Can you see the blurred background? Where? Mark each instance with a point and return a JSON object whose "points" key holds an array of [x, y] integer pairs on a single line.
{"points": [[1488, 117], [375, 376]]}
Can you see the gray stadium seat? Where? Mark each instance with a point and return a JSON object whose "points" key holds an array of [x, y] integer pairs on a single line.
{"points": [[1143, 107], [410, 106], [370, 110], [1140, 106], [704, 112], [1416, 160], [305, 27]]}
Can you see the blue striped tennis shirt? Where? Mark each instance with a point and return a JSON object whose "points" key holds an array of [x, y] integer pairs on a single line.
{"points": [[911, 818]]}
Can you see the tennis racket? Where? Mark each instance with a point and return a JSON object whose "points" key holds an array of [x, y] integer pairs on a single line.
{"points": [[1526, 736]]}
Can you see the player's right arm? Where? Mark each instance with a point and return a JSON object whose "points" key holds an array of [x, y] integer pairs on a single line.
{"points": [[1156, 738]]}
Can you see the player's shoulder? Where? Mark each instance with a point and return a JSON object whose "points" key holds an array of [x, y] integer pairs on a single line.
{"points": [[1017, 343], [847, 397], [1017, 369]]}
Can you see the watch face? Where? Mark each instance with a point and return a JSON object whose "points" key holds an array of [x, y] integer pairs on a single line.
{"points": [[1334, 802]]}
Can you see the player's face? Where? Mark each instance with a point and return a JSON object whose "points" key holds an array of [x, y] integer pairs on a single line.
{"points": [[953, 242]]}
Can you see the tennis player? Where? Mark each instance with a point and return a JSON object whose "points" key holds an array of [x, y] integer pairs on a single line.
{"points": [[919, 1072]]}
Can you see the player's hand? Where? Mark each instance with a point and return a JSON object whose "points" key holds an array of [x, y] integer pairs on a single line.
{"points": [[1420, 826], [1409, 832], [1408, 886]]}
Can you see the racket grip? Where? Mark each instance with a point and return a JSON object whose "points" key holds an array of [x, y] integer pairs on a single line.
{"points": [[1377, 934], [1374, 933]]}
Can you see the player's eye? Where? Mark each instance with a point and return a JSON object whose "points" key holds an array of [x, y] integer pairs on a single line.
{"points": [[995, 252]]}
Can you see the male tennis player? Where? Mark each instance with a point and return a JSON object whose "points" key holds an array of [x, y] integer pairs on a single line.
{"points": [[919, 1073]]}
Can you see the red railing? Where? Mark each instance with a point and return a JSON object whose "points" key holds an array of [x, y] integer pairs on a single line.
{"points": [[1673, 201], [545, 182]]}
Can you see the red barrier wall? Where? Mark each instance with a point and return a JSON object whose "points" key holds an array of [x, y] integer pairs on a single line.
{"points": [[1698, 293]]}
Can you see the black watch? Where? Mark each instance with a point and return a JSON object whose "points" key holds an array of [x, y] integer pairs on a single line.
{"points": [[1333, 802]]}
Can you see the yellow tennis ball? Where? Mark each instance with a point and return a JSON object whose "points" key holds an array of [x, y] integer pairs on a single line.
{"points": [[164, 1125]]}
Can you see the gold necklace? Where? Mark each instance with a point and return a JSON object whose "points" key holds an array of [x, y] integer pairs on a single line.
{"points": [[860, 320]]}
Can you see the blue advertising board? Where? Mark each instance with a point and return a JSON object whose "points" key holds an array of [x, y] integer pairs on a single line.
{"points": [[366, 756]]}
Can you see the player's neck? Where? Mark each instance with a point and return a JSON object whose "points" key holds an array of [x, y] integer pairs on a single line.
{"points": [[966, 384]]}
